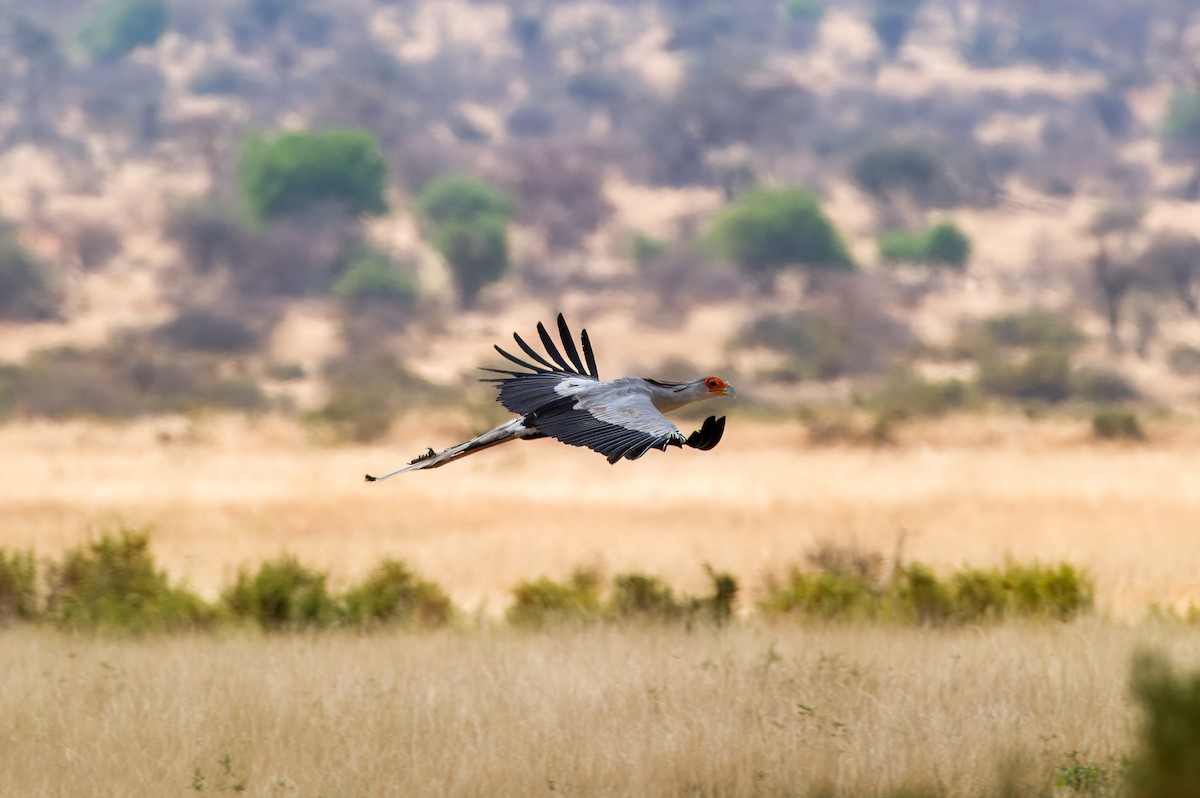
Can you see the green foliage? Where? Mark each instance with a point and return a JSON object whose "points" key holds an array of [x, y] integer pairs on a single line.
{"points": [[282, 594], [26, 293], [118, 27], [805, 10], [544, 602], [1089, 778], [1182, 122], [374, 277], [470, 231], [947, 245], [851, 587], [18, 586], [1117, 423], [768, 230], [458, 198], [112, 585], [393, 594], [943, 244], [297, 172], [1167, 761], [645, 249], [477, 252], [641, 596], [901, 246]]}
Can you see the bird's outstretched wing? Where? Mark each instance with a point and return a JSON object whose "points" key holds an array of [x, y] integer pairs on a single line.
{"points": [[527, 391]]}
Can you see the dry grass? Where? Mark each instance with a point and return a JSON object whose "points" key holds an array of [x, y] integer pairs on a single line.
{"points": [[615, 712], [221, 494]]}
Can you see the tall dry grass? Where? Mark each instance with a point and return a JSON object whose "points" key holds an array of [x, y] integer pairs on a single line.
{"points": [[221, 494], [761, 710]]}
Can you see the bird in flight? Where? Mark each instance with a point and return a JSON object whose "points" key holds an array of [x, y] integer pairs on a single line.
{"points": [[565, 399]]}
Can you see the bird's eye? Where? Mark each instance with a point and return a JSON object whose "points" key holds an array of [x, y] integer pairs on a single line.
{"points": [[712, 383]]}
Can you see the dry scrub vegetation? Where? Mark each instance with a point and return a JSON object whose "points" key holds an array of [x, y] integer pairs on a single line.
{"points": [[762, 710]]}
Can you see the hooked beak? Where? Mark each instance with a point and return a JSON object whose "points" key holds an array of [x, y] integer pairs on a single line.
{"points": [[727, 391]]}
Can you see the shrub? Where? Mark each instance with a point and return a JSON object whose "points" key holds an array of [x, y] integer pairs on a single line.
{"points": [[901, 246], [112, 585], [1182, 122], [544, 602], [393, 594], [1117, 423], [1102, 385], [283, 594], [118, 27], [457, 198], [913, 593], [1167, 761], [947, 245], [18, 586], [476, 251], [299, 171], [768, 230], [641, 596], [374, 277]]}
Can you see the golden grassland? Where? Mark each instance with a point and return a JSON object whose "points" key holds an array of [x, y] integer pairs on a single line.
{"points": [[756, 708], [619, 711], [219, 494]]}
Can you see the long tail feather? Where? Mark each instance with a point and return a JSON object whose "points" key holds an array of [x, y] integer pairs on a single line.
{"points": [[508, 431]]}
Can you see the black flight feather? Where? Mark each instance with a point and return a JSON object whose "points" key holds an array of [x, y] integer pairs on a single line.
{"points": [[551, 349], [568, 343]]}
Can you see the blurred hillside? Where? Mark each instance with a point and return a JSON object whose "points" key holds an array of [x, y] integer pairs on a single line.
{"points": [[333, 209]]}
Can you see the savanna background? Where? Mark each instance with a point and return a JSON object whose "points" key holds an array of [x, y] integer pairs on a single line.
{"points": [[945, 250]]}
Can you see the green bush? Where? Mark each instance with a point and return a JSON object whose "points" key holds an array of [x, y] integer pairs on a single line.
{"points": [[476, 251], [458, 198], [112, 585], [641, 596], [1117, 423], [300, 171], [376, 278], [913, 593], [1167, 761], [543, 602], [769, 230], [1182, 122], [393, 594], [901, 246], [282, 594], [947, 245], [18, 586], [118, 27]]}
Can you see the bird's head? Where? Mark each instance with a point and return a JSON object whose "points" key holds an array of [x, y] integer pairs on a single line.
{"points": [[718, 387]]}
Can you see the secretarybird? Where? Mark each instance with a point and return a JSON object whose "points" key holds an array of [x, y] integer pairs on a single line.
{"points": [[565, 399]]}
